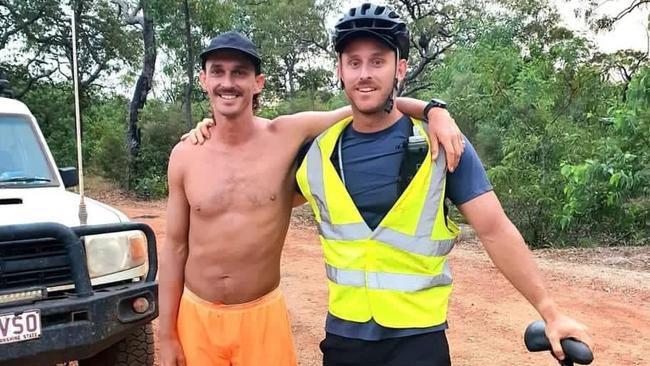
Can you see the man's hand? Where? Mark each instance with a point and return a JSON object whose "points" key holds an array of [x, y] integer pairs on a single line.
{"points": [[200, 133], [171, 352], [561, 327], [443, 130]]}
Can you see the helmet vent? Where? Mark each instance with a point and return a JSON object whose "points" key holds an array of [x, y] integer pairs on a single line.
{"points": [[379, 10], [364, 23], [365, 8]]}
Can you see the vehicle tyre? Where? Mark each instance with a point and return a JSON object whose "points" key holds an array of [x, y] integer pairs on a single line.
{"points": [[137, 349]]}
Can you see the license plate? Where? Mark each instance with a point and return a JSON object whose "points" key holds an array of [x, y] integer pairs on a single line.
{"points": [[21, 327]]}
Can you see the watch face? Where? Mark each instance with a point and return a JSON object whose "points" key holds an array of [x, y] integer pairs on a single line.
{"points": [[439, 102]]}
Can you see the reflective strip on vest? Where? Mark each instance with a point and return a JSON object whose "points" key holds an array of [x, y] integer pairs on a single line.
{"points": [[420, 243], [358, 231], [388, 281], [317, 182]]}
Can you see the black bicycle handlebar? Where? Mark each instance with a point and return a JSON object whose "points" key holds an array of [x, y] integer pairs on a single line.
{"points": [[574, 350]]}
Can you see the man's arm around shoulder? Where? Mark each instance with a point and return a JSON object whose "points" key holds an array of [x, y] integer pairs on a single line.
{"points": [[308, 125], [173, 256]]}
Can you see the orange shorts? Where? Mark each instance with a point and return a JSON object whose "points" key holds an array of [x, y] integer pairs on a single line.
{"points": [[255, 333]]}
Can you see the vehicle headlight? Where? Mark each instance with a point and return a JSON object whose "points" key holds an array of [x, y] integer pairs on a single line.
{"points": [[115, 252]]}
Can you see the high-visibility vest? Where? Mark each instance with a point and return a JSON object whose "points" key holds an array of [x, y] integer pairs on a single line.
{"points": [[397, 273]]}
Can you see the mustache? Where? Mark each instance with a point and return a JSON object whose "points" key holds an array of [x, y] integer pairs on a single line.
{"points": [[230, 90], [366, 84]]}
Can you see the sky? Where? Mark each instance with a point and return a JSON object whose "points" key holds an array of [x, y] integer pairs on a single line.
{"points": [[628, 33]]}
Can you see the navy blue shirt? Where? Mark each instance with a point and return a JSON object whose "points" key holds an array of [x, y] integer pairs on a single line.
{"points": [[371, 170]]}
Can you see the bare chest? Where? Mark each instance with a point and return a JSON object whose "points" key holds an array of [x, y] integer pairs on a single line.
{"points": [[239, 182]]}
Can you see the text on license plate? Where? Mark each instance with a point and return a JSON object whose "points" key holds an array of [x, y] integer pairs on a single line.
{"points": [[21, 327]]}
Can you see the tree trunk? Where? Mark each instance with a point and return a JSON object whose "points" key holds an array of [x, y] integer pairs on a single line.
{"points": [[626, 86], [189, 66], [144, 82]]}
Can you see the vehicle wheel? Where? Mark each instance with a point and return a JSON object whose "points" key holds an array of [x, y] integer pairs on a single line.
{"points": [[137, 349]]}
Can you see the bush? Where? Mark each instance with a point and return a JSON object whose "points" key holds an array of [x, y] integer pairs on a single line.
{"points": [[151, 187], [162, 126], [105, 150]]}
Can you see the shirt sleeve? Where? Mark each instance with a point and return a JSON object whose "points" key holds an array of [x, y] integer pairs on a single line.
{"points": [[469, 180]]}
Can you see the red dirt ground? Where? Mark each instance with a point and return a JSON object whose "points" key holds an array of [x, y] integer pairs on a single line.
{"points": [[607, 289]]}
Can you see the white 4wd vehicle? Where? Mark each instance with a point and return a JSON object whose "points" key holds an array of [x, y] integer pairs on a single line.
{"points": [[67, 292]]}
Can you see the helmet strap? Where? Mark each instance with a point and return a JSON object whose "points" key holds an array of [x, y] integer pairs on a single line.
{"points": [[388, 106], [338, 71], [390, 101]]}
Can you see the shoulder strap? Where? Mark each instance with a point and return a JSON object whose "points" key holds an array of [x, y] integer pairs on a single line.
{"points": [[415, 152]]}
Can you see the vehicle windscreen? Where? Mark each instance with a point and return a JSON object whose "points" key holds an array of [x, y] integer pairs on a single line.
{"points": [[23, 162]]}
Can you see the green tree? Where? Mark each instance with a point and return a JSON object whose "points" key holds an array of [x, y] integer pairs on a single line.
{"points": [[610, 191], [290, 34], [530, 108]]}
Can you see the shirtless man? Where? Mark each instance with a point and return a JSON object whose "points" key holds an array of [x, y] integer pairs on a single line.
{"points": [[228, 213]]}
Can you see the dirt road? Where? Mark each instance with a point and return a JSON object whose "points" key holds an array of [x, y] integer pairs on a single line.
{"points": [[487, 316]]}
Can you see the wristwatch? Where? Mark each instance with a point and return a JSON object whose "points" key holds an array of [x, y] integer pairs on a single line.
{"points": [[434, 103]]}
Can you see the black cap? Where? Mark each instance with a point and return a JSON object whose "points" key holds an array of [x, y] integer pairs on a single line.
{"points": [[233, 41]]}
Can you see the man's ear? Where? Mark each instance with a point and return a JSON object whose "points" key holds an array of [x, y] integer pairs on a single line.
{"points": [[339, 71], [339, 66], [259, 83], [401, 69], [202, 80]]}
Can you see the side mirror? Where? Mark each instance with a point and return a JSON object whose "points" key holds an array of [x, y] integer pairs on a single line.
{"points": [[69, 176]]}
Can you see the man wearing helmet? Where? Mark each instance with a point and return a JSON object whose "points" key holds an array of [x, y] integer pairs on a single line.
{"points": [[386, 241]]}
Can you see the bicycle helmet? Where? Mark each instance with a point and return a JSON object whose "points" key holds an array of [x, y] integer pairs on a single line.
{"points": [[376, 21]]}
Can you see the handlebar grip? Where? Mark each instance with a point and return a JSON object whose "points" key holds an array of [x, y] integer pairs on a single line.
{"points": [[578, 351], [536, 341]]}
